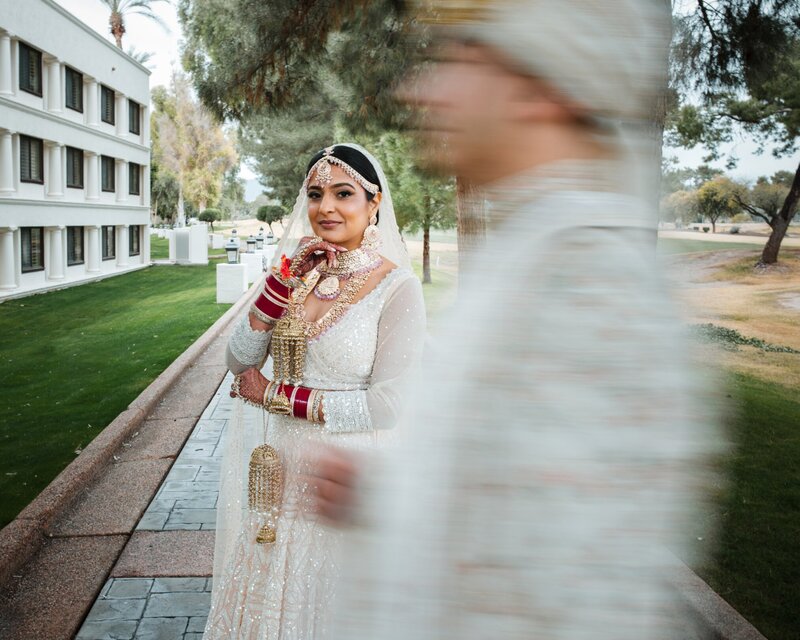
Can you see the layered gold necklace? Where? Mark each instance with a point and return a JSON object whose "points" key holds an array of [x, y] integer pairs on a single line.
{"points": [[350, 264]]}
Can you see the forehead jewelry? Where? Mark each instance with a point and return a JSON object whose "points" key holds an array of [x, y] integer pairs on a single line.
{"points": [[323, 172]]}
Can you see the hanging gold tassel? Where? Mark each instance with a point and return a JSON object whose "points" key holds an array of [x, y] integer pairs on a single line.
{"points": [[264, 489], [289, 345]]}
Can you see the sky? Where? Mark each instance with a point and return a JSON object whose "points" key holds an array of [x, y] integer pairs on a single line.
{"points": [[145, 35]]}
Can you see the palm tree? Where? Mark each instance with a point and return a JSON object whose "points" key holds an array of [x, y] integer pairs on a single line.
{"points": [[142, 57], [121, 8]]}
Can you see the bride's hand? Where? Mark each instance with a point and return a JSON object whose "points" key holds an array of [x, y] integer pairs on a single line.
{"points": [[250, 386], [311, 252]]}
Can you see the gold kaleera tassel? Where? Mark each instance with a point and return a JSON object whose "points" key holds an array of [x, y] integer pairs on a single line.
{"points": [[289, 346], [264, 490]]}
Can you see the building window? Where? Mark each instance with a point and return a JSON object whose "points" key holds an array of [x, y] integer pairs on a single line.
{"points": [[74, 168], [134, 117], [31, 151], [32, 240], [133, 240], [107, 105], [107, 169], [134, 173], [109, 249], [74, 245], [30, 69], [74, 89]]}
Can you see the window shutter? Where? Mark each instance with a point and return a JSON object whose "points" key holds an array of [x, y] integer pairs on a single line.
{"points": [[36, 159], [25, 158]]}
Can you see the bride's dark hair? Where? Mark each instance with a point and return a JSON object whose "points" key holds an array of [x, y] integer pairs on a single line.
{"points": [[355, 159]]}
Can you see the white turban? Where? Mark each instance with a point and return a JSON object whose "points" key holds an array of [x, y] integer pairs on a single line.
{"points": [[609, 56]]}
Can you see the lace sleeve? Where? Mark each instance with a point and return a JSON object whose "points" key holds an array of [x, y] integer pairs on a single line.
{"points": [[247, 347], [401, 334]]}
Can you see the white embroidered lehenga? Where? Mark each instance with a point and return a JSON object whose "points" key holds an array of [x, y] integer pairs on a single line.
{"points": [[283, 590]]}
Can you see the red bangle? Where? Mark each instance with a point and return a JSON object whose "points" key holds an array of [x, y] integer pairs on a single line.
{"points": [[299, 397], [271, 301], [300, 404]]}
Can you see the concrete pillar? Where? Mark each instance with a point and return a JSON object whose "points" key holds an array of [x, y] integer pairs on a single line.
{"points": [[121, 115], [92, 99], [92, 175], [122, 180], [57, 262], [53, 85], [8, 259], [145, 185], [145, 247], [6, 75], [145, 125], [122, 245], [55, 179], [7, 162], [94, 249]]}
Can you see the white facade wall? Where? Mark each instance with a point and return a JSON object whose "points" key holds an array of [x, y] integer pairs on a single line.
{"points": [[65, 42]]}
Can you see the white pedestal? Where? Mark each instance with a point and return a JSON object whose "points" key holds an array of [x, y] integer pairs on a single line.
{"points": [[189, 245], [269, 252], [216, 240], [254, 263], [231, 282]]}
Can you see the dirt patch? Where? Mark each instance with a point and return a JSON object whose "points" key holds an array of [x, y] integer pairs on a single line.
{"points": [[723, 288]]}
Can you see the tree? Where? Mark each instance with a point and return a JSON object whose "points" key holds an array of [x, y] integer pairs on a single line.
{"points": [[164, 192], [210, 216], [766, 198], [190, 145], [142, 57], [270, 213], [122, 8], [719, 198], [679, 205], [232, 200], [421, 202], [742, 58]]}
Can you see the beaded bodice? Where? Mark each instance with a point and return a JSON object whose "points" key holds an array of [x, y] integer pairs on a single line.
{"points": [[341, 358]]}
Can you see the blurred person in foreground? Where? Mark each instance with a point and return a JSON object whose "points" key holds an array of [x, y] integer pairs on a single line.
{"points": [[555, 448]]}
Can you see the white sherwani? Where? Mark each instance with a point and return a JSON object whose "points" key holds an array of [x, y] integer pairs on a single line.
{"points": [[553, 444]]}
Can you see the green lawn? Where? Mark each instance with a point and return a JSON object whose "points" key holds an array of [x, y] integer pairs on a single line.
{"points": [[690, 245], [72, 360], [754, 557], [159, 248]]}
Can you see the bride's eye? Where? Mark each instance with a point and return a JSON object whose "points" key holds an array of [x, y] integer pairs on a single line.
{"points": [[313, 195], [345, 194]]}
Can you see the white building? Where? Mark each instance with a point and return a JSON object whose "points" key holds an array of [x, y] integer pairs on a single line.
{"points": [[74, 152]]}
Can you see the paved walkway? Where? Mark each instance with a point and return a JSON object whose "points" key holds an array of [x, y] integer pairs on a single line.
{"points": [[170, 608]]}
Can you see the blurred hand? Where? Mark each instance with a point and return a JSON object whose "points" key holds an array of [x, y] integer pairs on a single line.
{"points": [[334, 479]]}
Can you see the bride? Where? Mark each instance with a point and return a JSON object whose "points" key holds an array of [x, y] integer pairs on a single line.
{"points": [[343, 321]]}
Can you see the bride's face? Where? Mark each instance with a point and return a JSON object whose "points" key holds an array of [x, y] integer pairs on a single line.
{"points": [[339, 211]]}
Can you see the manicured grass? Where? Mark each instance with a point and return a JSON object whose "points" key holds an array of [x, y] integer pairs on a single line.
{"points": [[690, 245], [72, 360], [439, 294], [754, 558], [159, 248]]}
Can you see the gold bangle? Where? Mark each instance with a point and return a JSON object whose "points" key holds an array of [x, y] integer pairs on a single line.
{"points": [[310, 405], [317, 407], [265, 399]]}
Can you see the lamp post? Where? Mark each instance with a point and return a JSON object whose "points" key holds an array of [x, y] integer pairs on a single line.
{"points": [[251, 244], [260, 239], [232, 251]]}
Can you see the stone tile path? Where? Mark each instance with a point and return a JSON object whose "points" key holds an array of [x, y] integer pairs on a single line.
{"points": [[187, 499], [149, 609], [170, 608]]}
